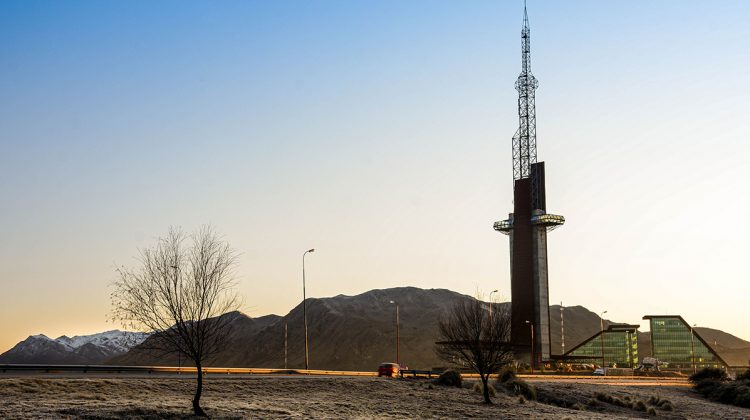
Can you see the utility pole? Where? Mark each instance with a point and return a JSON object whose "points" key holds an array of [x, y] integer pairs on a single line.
{"points": [[398, 358], [304, 305], [286, 342], [601, 335]]}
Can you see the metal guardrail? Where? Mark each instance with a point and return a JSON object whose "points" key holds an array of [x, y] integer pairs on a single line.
{"points": [[172, 369], [419, 373]]}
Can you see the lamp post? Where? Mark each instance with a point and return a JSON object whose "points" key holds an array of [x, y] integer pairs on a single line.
{"points": [[398, 358], [491, 304], [692, 346], [562, 329], [601, 335], [304, 305], [179, 353], [531, 324], [286, 335]]}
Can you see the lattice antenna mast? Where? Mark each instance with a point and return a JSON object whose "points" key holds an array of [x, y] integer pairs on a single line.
{"points": [[524, 141]]}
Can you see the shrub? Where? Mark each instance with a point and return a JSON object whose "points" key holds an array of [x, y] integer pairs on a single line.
{"points": [[651, 411], [653, 400], [618, 402], [640, 406], [734, 392], [724, 393], [706, 386], [450, 378], [744, 376], [604, 397], [742, 398], [520, 387], [521, 399], [506, 375], [709, 373]]}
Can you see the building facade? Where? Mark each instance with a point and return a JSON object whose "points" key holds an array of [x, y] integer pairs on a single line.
{"points": [[617, 346], [678, 345]]}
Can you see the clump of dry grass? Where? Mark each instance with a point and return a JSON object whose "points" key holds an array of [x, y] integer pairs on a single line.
{"points": [[479, 389], [518, 386], [640, 406], [450, 378], [577, 406]]}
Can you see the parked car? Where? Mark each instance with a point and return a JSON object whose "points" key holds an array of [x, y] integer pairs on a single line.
{"points": [[388, 369], [599, 372]]}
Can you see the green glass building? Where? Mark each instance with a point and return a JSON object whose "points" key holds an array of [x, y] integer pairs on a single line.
{"points": [[678, 345], [620, 348]]}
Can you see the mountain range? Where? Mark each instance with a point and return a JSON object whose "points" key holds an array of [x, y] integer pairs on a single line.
{"points": [[81, 349], [359, 332]]}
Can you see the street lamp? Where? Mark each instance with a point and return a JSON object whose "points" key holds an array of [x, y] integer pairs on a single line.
{"points": [[531, 324], [398, 359], [304, 305], [562, 329], [601, 335], [179, 353], [491, 304], [692, 346]]}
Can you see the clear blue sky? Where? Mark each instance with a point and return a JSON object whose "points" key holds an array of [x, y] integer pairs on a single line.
{"points": [[379, 133]]}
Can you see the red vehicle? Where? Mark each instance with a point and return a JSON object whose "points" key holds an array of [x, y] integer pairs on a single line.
{"points": [[388, 369]]}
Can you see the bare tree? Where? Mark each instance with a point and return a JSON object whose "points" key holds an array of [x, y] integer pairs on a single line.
{"points": [[469, 332], [179, 292]]}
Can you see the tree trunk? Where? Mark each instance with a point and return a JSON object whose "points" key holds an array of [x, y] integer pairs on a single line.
{"points": [[485, 389], [197, 410]]}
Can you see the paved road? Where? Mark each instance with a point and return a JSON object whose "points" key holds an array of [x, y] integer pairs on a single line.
{"points": [[612, 380], [598, 380]]}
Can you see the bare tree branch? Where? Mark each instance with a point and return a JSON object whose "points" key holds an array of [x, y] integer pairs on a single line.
{"points": [[470, 333], [180, 295]]}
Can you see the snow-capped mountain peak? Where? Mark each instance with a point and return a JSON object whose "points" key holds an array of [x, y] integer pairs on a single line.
{"points": [[80, 349], [114, 341]]}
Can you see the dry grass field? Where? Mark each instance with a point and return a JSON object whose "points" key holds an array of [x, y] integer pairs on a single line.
{"points": [[330, 397]]}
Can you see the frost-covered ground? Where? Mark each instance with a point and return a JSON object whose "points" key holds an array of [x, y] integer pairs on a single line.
{"points": [[324, 397]]}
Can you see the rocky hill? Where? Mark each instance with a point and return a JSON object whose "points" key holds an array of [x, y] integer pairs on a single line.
{"points": [[345, 332], [358, 332]]}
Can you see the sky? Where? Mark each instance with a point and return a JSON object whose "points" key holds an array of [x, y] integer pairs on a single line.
{"points": [[379, 133]]}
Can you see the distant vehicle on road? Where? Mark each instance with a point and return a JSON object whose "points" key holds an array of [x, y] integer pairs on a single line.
{"points": [[599, 372], [388, 369]]}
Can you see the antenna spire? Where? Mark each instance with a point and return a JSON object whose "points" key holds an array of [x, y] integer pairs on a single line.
{"points": [[525, 16], [524, 141]]}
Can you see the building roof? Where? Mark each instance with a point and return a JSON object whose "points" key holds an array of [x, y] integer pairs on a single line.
{"points": [[622, 327]]}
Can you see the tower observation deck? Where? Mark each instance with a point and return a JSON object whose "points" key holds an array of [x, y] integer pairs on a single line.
{"points": [[529, 223]]}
